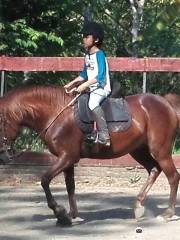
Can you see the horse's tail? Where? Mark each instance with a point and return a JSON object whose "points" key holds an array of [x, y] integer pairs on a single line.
{"points": [[174, 101]]}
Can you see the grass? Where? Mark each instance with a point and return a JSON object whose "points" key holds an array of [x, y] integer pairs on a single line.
{"points": [[176, 149]]}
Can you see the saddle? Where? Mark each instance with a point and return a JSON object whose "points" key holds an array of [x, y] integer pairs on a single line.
{"points": [[116, 112]]}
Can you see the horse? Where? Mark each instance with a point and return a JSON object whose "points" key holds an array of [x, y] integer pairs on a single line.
{"points": [[149, 139]]}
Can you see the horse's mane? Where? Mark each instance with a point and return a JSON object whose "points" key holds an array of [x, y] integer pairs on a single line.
{"points": [[14, 100], [50, 94]]}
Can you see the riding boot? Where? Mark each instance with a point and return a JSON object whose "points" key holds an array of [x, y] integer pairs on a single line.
{"points": [[103, 133]]}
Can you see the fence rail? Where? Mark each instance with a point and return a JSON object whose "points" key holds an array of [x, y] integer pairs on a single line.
{"points": [[76, 63]]}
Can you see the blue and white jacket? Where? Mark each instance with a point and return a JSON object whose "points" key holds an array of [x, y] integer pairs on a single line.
{"points": [[96, 67]]}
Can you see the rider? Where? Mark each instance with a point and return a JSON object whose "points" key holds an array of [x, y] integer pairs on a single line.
{"points": [[95, 76]]}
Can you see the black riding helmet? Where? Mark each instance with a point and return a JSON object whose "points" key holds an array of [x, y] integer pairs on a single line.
{"points": [[94, 29]]}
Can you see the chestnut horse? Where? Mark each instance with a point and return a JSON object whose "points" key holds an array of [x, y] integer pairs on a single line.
{"points": [[149, 140]]}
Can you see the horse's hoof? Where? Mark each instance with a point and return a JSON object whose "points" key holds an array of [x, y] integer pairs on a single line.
{"points": [[73, 214], [64, 221], [166, 216], [78, 220], [160, 218], [139, 212]]}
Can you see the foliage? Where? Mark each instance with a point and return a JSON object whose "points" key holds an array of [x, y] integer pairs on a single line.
{"points": [[21, 39], [160, 29], [176, 149], [52, 28], [24, 142]]}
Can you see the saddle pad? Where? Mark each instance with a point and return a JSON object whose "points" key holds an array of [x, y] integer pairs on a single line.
{"points": [[115, 109], [117, 114]]}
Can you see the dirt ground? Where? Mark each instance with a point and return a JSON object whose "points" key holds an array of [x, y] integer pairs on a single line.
{"points": [[105, 210]]}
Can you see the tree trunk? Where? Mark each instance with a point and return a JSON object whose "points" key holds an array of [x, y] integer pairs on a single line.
{"points": [[137, 7]]}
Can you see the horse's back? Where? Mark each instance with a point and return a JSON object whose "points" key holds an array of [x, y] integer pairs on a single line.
{"points": [[152, 110], [158, 118], [153, 106]]}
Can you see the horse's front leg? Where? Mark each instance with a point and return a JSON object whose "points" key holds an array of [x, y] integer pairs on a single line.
{"points": [[70, 186], [60, 212]]}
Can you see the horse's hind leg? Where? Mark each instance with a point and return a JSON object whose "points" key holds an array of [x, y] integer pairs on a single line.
{"points": [[59, 211], [168, 167], [143, 157]]}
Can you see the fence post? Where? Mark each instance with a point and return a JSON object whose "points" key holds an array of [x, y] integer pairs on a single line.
{"points": [[145, 75], [2, 82], [144, 81]]}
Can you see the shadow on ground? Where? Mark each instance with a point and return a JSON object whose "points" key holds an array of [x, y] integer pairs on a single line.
{"points": [[25, 215]]}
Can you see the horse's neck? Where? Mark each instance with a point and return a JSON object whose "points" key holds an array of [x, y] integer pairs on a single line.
{"points": [[27, 113], [35, 108]]}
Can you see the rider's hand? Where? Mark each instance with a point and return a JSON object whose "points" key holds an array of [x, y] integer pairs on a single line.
{"points": [[68, 85], [81, 88]]}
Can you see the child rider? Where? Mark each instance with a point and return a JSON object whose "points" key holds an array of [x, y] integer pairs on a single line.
{"points": [[95, 76]]}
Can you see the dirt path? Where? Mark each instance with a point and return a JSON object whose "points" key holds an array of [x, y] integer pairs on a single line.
{"points": [[106, 208]]}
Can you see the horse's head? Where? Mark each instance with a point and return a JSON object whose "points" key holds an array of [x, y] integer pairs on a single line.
{"points": [[5, 142], [8, 132]]}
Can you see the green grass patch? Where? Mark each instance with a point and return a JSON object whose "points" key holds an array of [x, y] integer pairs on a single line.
{"points": [[176, 149]]}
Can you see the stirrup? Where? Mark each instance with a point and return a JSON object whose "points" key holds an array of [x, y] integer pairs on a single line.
{"points": [[103, 141], [91, 137]]}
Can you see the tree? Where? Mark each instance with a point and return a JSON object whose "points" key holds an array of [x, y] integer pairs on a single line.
{"points": [[137, 7], [52, 28]]}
